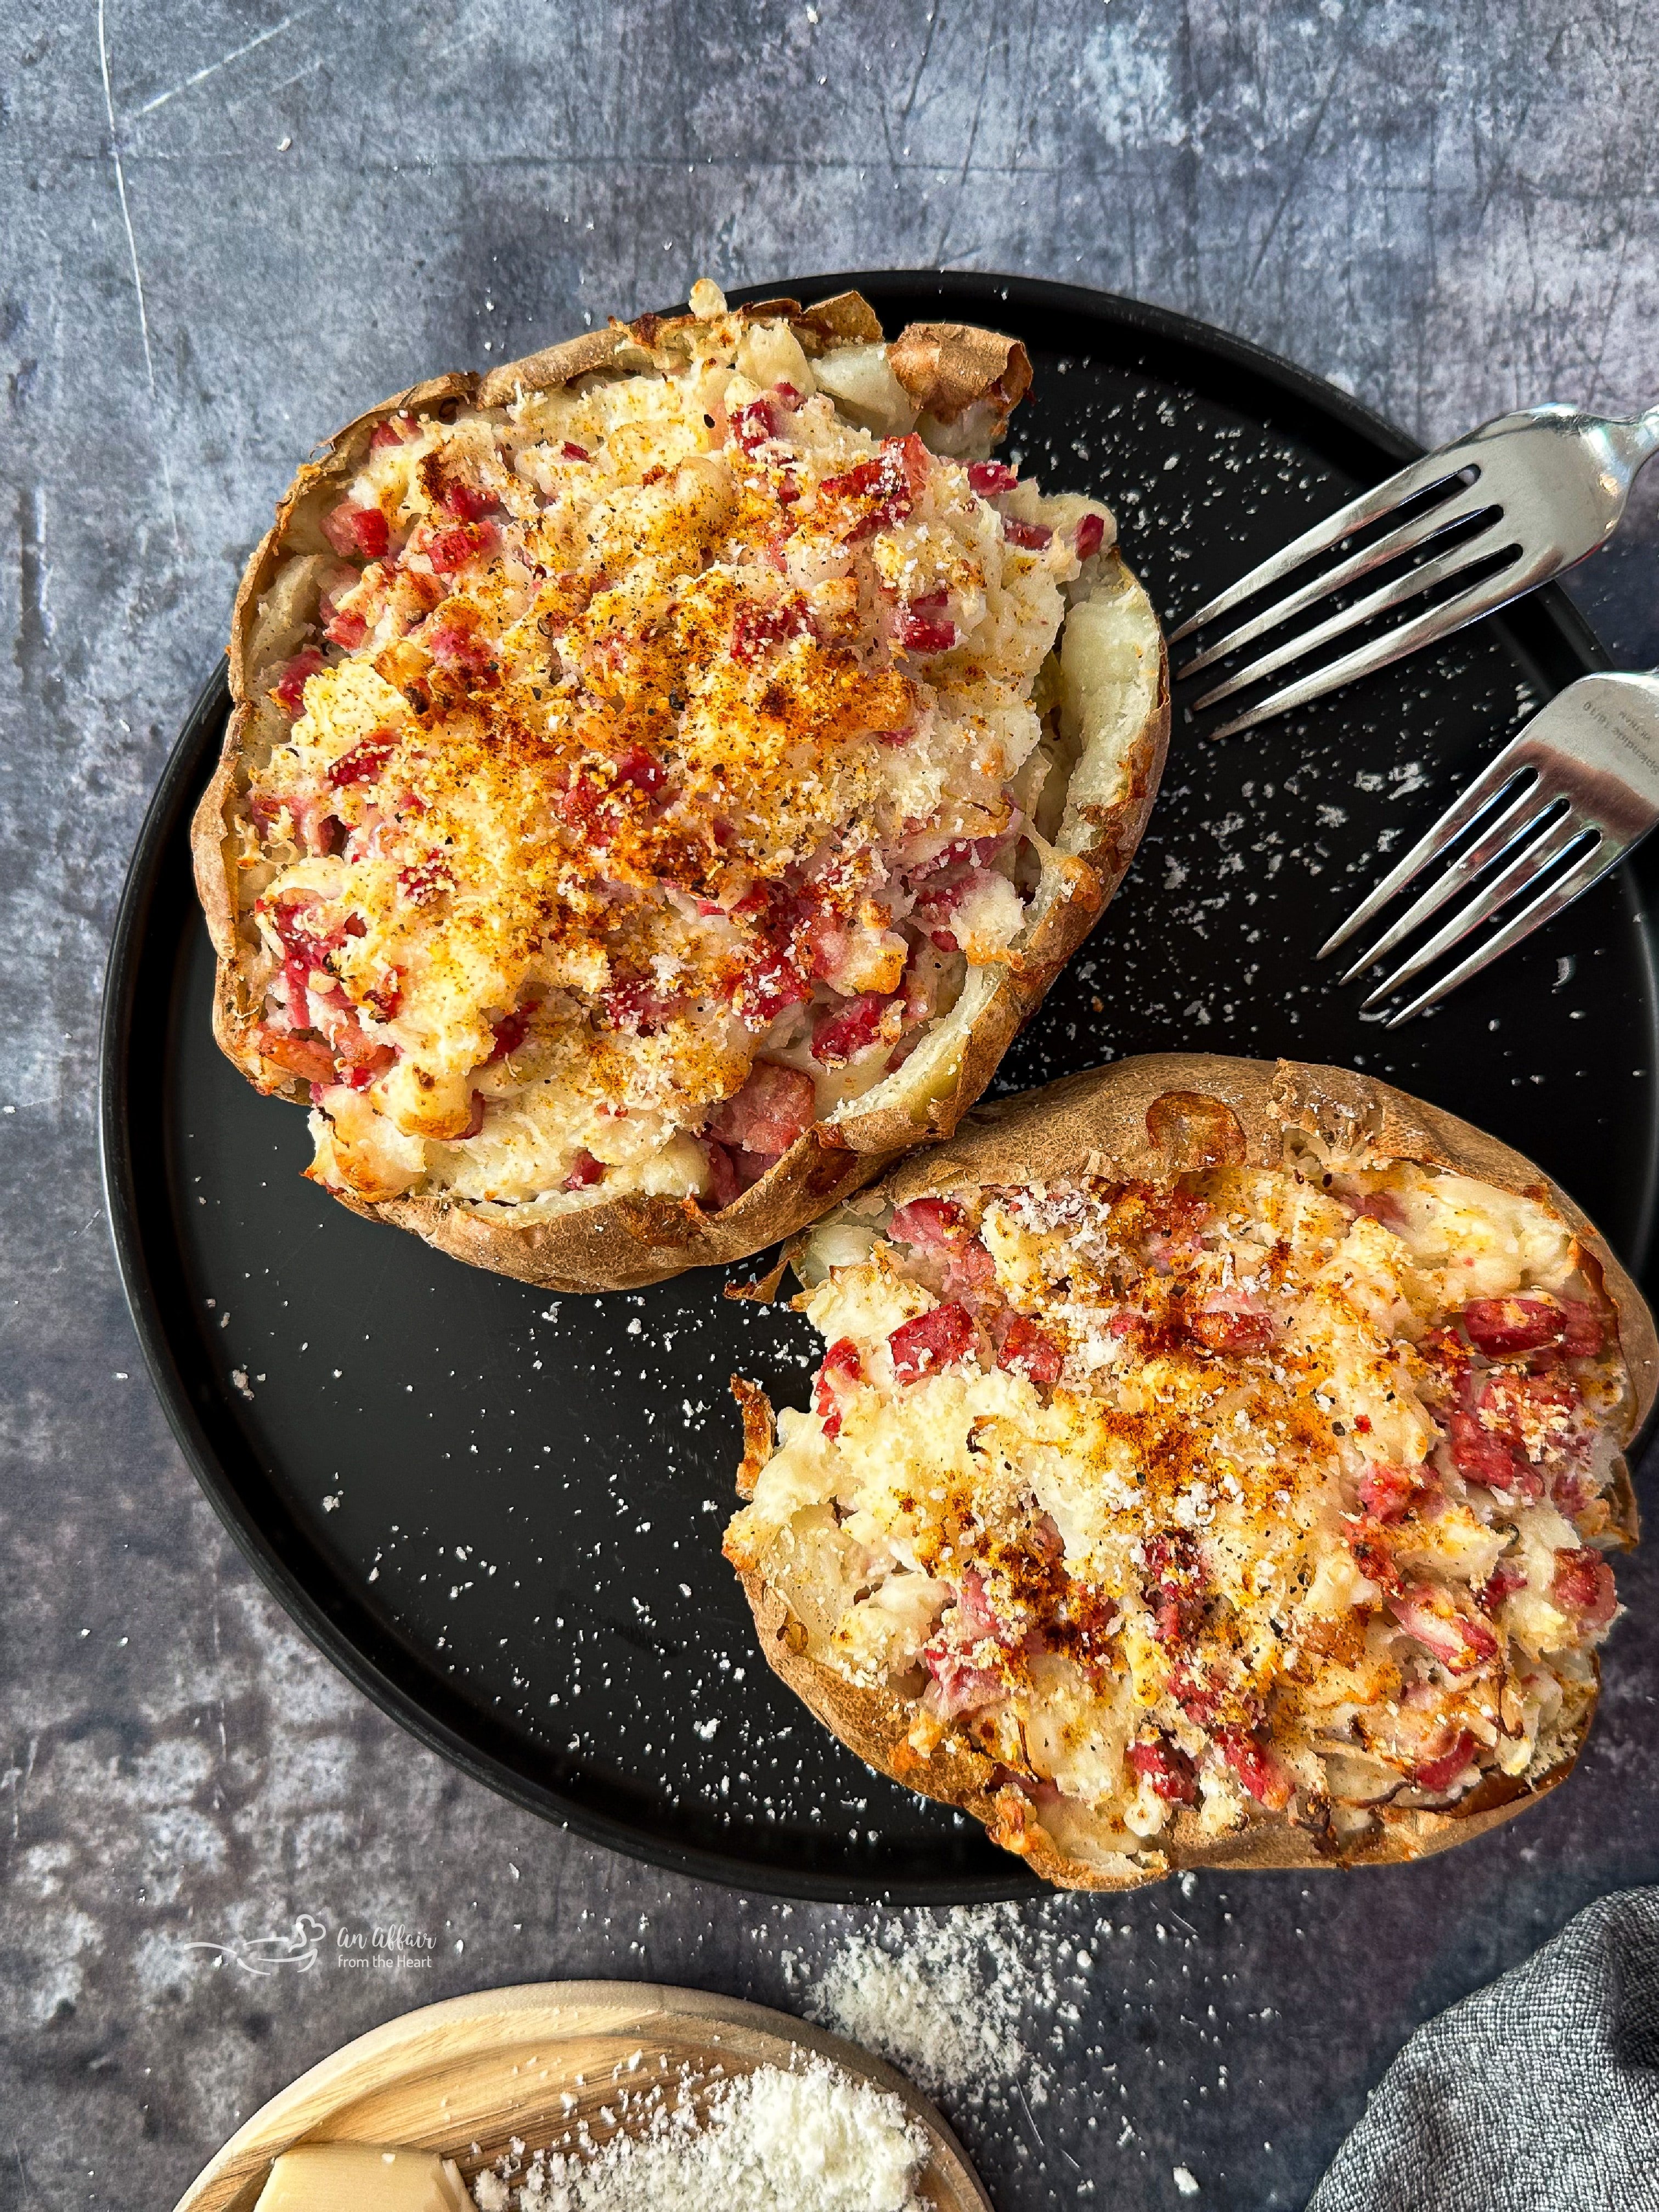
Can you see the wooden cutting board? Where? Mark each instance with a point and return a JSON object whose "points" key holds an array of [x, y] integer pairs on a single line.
{"points": [[477, 2070]]}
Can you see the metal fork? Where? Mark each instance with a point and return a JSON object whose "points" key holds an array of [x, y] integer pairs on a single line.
{"points": [[1547, 485], [1579, 786]]}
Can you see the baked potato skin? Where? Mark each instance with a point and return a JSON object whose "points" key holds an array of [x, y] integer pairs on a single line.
{"points": [[1153, 1117], [635, 1241]]}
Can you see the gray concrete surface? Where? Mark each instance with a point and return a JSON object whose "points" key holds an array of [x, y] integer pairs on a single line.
{"points": [[224, 225]]}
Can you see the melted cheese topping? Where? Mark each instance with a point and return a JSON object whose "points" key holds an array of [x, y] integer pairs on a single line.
{"points": [[675, 724], [1209, 1495]]}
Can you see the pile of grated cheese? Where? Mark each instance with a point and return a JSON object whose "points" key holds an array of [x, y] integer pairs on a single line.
{"points": [[811, 2139]]}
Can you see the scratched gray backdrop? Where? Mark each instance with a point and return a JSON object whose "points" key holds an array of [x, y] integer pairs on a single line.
{"points": [[223, 228]]}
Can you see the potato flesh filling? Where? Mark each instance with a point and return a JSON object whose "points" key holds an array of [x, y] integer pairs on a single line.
{"points": [[1278, 1489], [669, 756]]}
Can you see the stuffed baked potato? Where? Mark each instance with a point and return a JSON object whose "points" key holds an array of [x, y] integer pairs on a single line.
{"points": [[664, 774], [1212, 1463]]}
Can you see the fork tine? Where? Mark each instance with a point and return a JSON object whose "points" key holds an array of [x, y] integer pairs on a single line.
{"points": [[1487, 787], [1369, 506], [1444, 567], [1562, 893], [1398, 542], [1425, 628], [1518, 819], [1549, 844]]}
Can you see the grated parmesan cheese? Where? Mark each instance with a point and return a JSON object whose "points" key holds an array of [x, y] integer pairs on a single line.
{"points": [[811, 2139]]}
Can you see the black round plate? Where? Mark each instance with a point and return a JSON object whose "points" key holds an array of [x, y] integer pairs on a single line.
{"points": [[500, 1513]]}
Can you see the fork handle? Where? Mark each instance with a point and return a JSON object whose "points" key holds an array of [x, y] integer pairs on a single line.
{"points": [[1641, 438]]}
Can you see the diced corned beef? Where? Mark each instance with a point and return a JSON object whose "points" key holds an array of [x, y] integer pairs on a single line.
{"points": [[364, 764], [635, 1006], [1255, 1765], [849, 1029], [359, 534], [305, 952], [345, 629], [366, 1069], [970, 852], [940, 1229], [786, 396], [1373, 1554], [1586, 1329], [761, 897], [1387, 1492], [1459, 1640], [396, 430], [457, 646], [577, 799], [1176, 1587], [1480, 1457], [1166, 1769], [1032, 536], [933, 909], [976, 1616], [725, 1184], [1531, 1413], [769, 983], [841, 1369], [641, 768], [306, 1057], [930, 1341], [1570, 1489], [570, 450], [755, 628], [929, 1223], [1505, 1579], [1501, 1328], [1196, 1697], [894, 480], [920, 630], [1030, 1350], [510, 1032], [585, 1172], [1583, 1586], [469, 502], [289, 688], [388, 996], [990, 479], [960, 1685], [952, 1655], [753, 425], [827, 939], [1439, 1774], [1370, 1205], [842, 1361], [774, 1106], [1090, 531], [1230, 1326], [453, 546], [424, 882]]}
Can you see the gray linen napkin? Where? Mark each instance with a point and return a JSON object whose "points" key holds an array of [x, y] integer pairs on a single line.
{"points": [[1539, 2094]]}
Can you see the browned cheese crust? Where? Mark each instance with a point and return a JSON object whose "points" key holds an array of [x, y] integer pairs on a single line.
{"points": [[1153, 1118], [945, 367]]}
